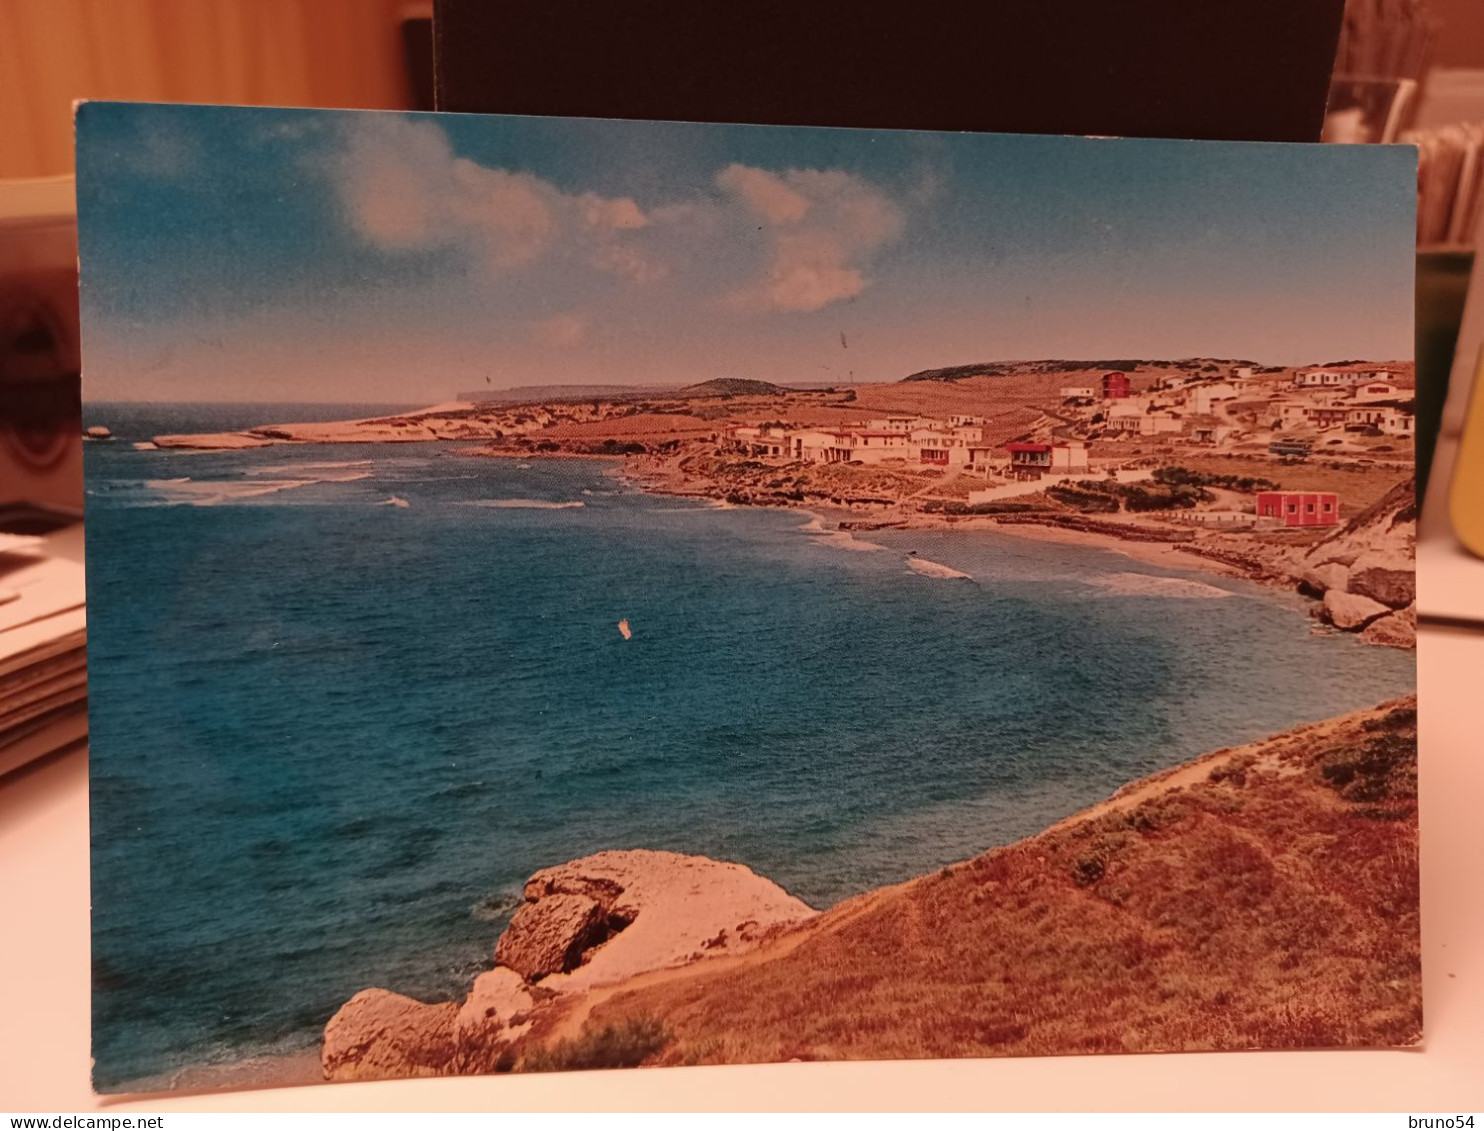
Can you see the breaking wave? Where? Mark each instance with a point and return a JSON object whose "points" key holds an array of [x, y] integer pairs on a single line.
{"points": [[1152, 585], [936, 569], [836, 539], [209, 493], [526, 504], [343, 471]]}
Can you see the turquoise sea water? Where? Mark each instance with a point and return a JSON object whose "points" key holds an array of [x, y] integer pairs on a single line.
{"points": [[332, 736]]}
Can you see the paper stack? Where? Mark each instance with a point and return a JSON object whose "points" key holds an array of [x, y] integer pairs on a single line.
{"points": [[1449, 178], [43, 634]]}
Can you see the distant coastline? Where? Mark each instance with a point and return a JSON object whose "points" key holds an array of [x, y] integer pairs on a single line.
{"points": [[658, 446], [670, 480]]}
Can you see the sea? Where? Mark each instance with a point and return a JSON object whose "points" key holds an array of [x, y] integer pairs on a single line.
{"points": [[346, 698]]}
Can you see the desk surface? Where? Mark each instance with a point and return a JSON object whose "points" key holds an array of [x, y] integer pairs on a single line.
{"points": [[44, 989]]}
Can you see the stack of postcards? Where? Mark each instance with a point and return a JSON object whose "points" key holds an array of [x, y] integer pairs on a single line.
{"points": [[1450, 178], [43, 665]]}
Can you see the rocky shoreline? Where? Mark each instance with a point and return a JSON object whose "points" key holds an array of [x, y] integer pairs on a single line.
{"points": [[1362, 576], [593, 922]]}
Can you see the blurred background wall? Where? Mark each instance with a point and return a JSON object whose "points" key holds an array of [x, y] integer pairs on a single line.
{"points": [[1463, 23], [278, 52], [287, 52]]}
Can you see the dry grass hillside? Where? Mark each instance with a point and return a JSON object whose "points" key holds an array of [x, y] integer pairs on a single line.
{"points": [[1357, 486], [1260, 897], [1009, 404]]}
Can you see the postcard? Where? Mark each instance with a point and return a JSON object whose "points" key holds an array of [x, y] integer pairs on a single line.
{"points": [[572, 594]]}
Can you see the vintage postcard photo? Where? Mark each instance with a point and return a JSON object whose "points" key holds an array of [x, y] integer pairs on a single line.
{"points": [[572, 594]]}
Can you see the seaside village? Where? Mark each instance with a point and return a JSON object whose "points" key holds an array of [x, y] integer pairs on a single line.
{"points": [[1290, 476], [1122, 430]]}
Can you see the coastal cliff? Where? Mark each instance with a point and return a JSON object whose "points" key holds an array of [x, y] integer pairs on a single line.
{"points": [[1263, 896], [592, 922], [1365, 573]]}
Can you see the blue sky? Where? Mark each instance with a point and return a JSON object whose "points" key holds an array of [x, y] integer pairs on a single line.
{"points": [[262, 254]]}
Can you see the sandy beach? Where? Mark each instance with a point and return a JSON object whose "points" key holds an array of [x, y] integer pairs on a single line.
{"points": [[1169, 555]]}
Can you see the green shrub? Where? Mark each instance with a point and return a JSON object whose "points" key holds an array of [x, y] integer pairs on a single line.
{"points": [[955, 506], [1086, 497], [625, 1044], [1141, 497], [1002, 508], [1184, 477], [1381, 768], [1088, 871]]}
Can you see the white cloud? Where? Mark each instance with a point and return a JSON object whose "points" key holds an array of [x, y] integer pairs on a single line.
{"points": [[823, 227], [619, 214], [790, 241], [404, 189], [765, 193], [629, 262]]}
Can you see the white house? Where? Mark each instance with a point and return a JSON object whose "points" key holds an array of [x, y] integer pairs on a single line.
{"points": [[939, 448], [877, 445], [983, 456], [1204, 398], [1336, 378], [1293, 415], [1155, 423], [1388, 418], [1032, 461], [1078, 393], [1134, 417], [769, 441], [1395, 422], [821, 445], [1363, 417], [1069, 455], [931, 456], [1376, 391], [1210, 433]]}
